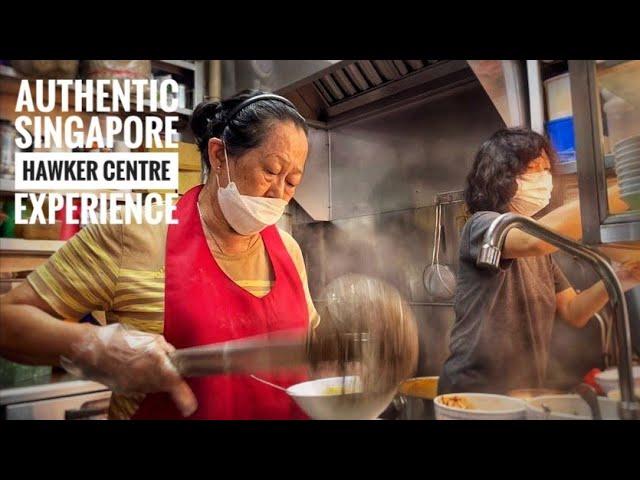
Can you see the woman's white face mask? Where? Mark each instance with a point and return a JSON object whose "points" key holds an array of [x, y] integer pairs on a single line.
{"points": [[247, 215], [534, 193]]}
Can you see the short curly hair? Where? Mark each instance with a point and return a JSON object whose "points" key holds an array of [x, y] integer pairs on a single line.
{"points": [[491, 183]]}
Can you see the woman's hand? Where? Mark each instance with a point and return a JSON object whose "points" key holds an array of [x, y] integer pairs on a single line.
{"points": [[628, 273], [129, 361]]}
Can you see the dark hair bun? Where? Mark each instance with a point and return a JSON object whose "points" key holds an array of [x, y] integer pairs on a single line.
{"points": [[203, 119]]}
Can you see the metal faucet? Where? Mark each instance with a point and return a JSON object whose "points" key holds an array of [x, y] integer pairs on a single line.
{"points": [[489, 258]]}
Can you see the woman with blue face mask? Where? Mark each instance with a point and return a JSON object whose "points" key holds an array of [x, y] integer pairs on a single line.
{"points": [[224, 271], [501, 336]]}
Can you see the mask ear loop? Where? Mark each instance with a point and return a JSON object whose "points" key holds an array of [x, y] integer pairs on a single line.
{"points": [[226, 161]]}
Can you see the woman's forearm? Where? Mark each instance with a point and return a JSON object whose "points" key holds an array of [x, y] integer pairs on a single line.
{"points": [[29, 335], [565, 220], [586, 304]]}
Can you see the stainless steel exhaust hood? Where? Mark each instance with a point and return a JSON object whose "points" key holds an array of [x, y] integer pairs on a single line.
{"points": [[330, 91], [351, 87]]}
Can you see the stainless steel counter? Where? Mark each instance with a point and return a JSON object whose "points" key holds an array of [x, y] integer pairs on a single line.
{"points": [[59, 396], [56, 385]]}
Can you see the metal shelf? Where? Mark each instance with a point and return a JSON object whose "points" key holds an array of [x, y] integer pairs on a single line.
{"points": [[21, 245]]}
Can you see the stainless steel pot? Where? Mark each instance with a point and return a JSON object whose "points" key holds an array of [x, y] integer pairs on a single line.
{"points": [[414, 400]]}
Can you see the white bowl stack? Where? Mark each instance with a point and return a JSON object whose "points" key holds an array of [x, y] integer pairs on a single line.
{"points": [[627, 164]]}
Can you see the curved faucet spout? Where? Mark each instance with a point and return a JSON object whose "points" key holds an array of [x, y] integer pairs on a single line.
{"points": [[489, 258]]}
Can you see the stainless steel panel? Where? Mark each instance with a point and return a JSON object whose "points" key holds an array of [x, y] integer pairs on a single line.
{"points": [[395, 247], [536, 96], [314, 193], [53, 409], [504, 82], [48, 389], [400, 159]]}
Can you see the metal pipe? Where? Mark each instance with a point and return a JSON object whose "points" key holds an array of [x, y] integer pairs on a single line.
{"points": [[215, 78], [536, 96], [489, 258]]}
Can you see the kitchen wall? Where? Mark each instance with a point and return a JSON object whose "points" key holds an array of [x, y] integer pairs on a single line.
{"points": [[385, 171]]}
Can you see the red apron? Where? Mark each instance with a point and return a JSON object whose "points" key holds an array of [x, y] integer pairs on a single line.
{"points": [[203, 306]]}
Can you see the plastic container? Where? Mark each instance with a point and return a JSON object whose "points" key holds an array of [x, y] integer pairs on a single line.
{"points": [[561, 134], [558, 93]]}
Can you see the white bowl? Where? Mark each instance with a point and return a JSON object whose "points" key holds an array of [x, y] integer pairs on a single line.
{"points": [[628, 179], [486, 407], [629, 149], [628, 155], [608, 380], [630, 193], [313, 399], [569, 407], [621, 169], [628, 173], [627, 141], [633, 140], [629, 186], [626, 161], [623, 159]]}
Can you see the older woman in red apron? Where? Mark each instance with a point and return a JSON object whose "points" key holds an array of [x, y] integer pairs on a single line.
{"points": [[254, 147], [203, 306]]}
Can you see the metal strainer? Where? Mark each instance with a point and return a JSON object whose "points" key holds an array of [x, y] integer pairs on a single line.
{"points": [[439, 280]]}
